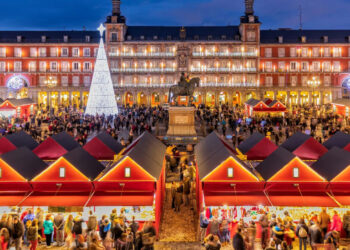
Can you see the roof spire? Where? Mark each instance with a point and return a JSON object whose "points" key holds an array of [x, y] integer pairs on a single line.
{"points": [[249, 7], [116, 8]]}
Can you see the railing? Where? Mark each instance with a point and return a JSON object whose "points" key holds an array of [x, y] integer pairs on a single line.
{"points": [[225, 54], [204, 69], [144, 85], [141, 54], [225, 84], [144, 70]]}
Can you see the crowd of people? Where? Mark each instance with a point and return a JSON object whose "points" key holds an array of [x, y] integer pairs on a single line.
{"points": [[26, 229], [276, 232]]}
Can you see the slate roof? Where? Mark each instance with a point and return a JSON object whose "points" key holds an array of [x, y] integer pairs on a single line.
{"points": [[110, 142], [252, 102], [274, 162], [51, 36], [339, 139], [250, 142], [21, 138], [332, 163], [66, 141], [84, 162], [25, 162], [293, 142], [312, 36], [20, 102]]}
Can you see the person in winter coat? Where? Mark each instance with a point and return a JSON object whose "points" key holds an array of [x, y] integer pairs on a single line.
{"points": [[336, 222], [17, 232], [92, 222], [346, 223], [203, 224], [4, 238], [264, 223], [178, 198], [302, 232], [238, 241], [58, 222], [213, 243], [324, 221], [32, 234], [215, 225], [48, 229], [117, 230], [315, 234]]}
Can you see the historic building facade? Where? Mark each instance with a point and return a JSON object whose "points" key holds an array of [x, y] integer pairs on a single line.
{"points": [[234, 63]]}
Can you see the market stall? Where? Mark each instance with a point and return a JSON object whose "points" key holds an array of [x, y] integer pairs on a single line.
{"points": [[16, 168], [56, 146], [256, 148], [21, 139], [263, 107], [135, 182], [103, 147], [339, 139], [21, 108], [304, 146]]}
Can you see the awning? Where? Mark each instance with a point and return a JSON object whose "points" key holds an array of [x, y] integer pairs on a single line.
{"points": [[236, 200], [11, 200], [302, 201], [56, 200], [124, 200]]}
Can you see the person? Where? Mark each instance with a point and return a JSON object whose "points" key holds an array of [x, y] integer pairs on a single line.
{"points": [[272, 245], [120, 243], [104, 226], [68, 229], [48, 229], [315, 234], [4, 238], [332, 237], [173, 194], [215, 225], [212, 242], [40, 217], [134, 226], [33, 235], [302, 232], [95, 243], [113, 216], [148, 235], [81, 244], [178, 198], [336, 222], [117, 230], [77, 228], [138, 241], [92, 222], [264, 223], [324, 220], [203, 224], [59, 227], [27, 219], [17, 232], [251, 234], [346, 223], [238, 241]]}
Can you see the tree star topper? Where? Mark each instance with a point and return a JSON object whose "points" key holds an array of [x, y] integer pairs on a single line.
{"points": [[101, 29]]}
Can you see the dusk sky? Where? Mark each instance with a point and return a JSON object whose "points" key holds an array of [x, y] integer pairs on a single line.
{"points": [[74, 14]]}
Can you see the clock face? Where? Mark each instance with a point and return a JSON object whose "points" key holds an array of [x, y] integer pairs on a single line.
{"points": [[16, 82]]}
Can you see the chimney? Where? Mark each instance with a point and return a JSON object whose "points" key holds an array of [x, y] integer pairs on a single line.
{"points": [[115, 7]]}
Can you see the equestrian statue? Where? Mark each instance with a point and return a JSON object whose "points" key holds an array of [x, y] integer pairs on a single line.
{"points": [[185, 87]]}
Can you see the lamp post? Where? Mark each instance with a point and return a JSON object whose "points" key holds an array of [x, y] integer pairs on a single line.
{"points": [[314, 83]]}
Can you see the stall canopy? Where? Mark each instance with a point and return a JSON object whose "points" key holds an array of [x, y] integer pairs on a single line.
{"points": [[103, 147], [22, 139], [56, 146], [73, 172], [226, 180], [304, 146], [23, 107], [257, 147], [6, 146], [339, 139], [17, 167]]}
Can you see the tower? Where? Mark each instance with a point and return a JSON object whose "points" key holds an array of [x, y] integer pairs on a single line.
{"points": [[115, 24]]}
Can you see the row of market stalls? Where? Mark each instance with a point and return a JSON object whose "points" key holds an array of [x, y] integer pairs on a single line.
{"points": [[61, 176], [237, 189], [263, 107], [18, 108]]}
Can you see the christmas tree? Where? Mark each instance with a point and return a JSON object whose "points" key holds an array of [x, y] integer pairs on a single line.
{"points": [[101, 96]]}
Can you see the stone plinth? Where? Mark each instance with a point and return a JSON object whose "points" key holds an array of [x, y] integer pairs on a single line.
{"points": [[181, 121]]}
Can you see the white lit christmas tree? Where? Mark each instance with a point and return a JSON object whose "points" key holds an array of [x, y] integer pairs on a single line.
{"points": [[101, 97]]}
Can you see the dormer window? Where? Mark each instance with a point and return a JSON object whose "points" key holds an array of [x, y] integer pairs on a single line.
{"points": [[210, 37], [168, 37], [280, 39], [62, 172], [230, 172], [349, 39], [129, 38], [296, 172], [142, 37], [303, 39], [43, 39], [325, 39], [155, 37], [127, 172], [19, 39], [114, 37], [237, 37], [65, 38], [87, 39], [196, 37], [223, 37]]}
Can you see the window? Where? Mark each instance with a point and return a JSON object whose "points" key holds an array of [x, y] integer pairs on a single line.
{"points": [[325, 39], [280, 39], [2, 66], [75, 52], [268, 52], [62, 172], [304, 66], [326, 66], [87, 67], [87, 80], [304, 80], [87, 39], [64, 81], [281, 52], [86, 52], [230, 172], [42, 66], [65, 67], [336, 52], [33, 52], [42, 52], [327, 81], [293, 66], [281, 66], [293, 81], [142, 37], [76, 81], [315, 66], [76, 67], [281, 81], [268, 66], [251, 36], [315, 52], [53, 66], [17, 66], [42, 80], [155, 37], [327, 52], [129, 37], [65, 38], [53, 52], [127, 172], [268, 81], [95, 52], [303, 39], [18, 52], [293, 52], [336, 66], [2, 52], [296, 172], [304, 52], [114, 37], [64, 52], [43, 39], [32, 66], [19, 39]]}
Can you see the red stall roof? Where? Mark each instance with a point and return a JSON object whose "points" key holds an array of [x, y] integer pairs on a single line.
{"points": [[103, 147], [257, 147], [6, 146]]}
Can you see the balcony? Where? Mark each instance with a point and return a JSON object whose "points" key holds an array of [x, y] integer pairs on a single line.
{"points": [[144, 85], [143, 70], [230, 84], [225, 70], [141, 54], [224, 54]]}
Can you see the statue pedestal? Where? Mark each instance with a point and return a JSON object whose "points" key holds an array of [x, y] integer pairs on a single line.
{"points": [[181, 122]]}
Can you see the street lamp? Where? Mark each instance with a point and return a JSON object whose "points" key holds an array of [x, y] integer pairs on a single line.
{"points": [[51, 82], [314, 83]]}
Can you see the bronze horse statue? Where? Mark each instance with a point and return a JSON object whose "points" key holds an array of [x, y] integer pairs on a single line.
{"points": [[183, 88]]}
